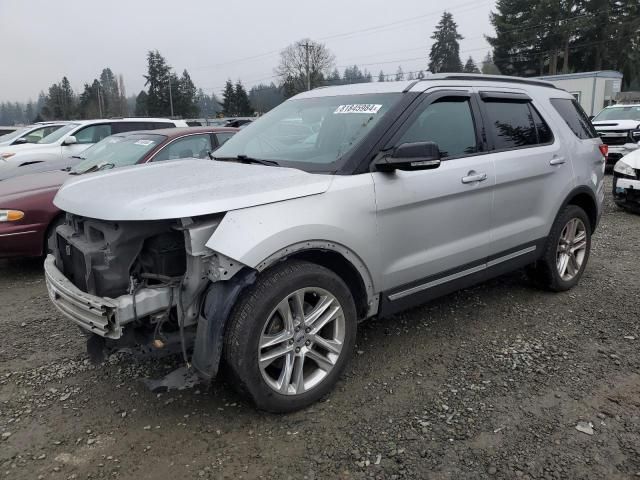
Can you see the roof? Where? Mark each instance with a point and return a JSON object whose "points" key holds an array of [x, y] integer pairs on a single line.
{"points": [[421, 85], [180, 131], [570, 76]]}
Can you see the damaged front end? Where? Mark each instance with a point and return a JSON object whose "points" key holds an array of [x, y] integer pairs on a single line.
{"points": [[151, 287]]}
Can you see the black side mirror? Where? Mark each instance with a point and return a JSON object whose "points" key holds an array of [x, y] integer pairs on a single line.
{"points": [[20, 141], [591, 117], [411, 156]]}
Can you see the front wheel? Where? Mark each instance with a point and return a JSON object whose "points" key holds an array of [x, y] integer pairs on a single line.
{"points": [[566, 252], [290, 336]]}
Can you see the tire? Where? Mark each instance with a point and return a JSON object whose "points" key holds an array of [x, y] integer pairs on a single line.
{"points": [[547, 272], [268, 311]]}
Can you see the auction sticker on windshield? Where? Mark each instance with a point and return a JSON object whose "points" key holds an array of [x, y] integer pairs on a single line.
{"points": [[144, 143], [358, 108]]}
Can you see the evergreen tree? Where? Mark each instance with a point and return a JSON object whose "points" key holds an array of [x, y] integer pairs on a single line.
{"points": [[67, 99], [420, 75], [109, 94], [381, 77], [229, 103], [265, 97], [157, 78], [243, 106], [141, 109], [470, 66], [185, 97], [488, 67], [445, 51], [399, 74], [334, 78]]}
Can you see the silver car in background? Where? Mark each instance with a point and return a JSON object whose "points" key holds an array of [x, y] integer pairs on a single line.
{"points": [[341, 204]]}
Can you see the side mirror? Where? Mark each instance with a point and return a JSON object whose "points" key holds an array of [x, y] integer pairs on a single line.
{"points": [[70, 140], [591, 117], [411, 156], [20, 141]]}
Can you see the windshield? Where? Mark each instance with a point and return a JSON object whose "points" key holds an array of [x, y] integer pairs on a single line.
{"points": [[117, 151], [310, 131], [58, 134], [619, 113], [13, 135]]}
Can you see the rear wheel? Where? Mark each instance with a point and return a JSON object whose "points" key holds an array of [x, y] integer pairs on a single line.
{"points": [[291, 335], [566, 251]]}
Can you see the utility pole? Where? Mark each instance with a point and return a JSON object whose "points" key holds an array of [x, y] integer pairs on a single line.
{"points": [[170, 96], [99, 102], [306, 50]]}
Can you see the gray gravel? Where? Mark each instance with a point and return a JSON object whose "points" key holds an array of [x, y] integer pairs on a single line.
{"points": [[497, 381]]}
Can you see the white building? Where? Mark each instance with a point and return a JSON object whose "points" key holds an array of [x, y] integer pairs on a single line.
{"points": [[594, 90]]}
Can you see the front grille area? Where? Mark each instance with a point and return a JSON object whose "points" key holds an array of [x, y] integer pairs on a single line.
{"points": [[615, 137], [99, 257]]}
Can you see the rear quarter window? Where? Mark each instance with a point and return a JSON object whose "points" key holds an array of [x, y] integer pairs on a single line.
{"points": [[516, 124], [572, 113]]}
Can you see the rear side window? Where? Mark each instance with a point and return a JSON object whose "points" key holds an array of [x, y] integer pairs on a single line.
{"points": [[572, 113], [516, 124], [158, 125]]}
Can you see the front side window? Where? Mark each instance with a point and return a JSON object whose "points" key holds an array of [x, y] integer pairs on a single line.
{"points": [[93, 133], [511, 124], [193, 146], [36, 135], [572, 113], [311, 133], [447, 122]]}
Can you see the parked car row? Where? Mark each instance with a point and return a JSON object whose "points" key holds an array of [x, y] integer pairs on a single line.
{"points": [[30, 196]]}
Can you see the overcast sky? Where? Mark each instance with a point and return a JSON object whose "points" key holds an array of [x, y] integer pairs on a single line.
{"points": [[42, 40]]}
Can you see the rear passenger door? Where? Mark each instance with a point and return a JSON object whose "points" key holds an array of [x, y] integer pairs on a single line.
{"points": [[434, 225], [532, 171]]}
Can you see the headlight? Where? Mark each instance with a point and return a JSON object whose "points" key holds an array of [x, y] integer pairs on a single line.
{"points": [[7, 155], [636, 134], [11, 215], [624, 168]]}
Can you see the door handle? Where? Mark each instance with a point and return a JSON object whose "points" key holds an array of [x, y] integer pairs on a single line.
{"points": [[474, 177], [557, 161]]}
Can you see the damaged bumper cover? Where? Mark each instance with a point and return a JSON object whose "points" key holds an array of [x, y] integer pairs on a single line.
{"points": [[101, 315]]}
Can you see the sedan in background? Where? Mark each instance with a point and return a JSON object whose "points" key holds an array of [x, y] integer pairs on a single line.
{"points": [[27, 213]]}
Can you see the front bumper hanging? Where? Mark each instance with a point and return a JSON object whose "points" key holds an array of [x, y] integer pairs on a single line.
{"points": [[101, 315]]}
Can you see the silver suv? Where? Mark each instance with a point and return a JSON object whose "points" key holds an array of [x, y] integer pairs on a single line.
{"points": [[341, 204]]}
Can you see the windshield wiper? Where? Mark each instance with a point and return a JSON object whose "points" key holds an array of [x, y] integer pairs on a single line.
{"points": [[247, 159], [95, 168]]}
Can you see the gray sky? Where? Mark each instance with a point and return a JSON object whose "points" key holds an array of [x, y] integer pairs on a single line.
{"points": [[43, 40]]}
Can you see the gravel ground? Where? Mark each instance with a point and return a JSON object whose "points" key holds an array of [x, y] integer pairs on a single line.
{"points": [[490, 382]]}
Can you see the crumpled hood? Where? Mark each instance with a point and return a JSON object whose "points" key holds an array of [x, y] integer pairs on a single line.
{"points": [[616, 125], [185, 188], [632, 159]]}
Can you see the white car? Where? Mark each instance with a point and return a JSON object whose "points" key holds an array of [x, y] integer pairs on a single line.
{"points": [[30, 134], [626, 181], [619, 127], [75, 137]]}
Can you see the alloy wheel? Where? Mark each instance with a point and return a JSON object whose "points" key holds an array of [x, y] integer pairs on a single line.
{"points": [[572, 248]]}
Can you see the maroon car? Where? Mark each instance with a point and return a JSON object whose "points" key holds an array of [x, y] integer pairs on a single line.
{"points": [[27, 213]]}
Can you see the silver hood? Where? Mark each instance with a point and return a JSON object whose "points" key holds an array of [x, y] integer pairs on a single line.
{"points": [[185, 188]]}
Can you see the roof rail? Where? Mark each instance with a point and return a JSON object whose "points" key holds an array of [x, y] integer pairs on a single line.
{"points": [[488, 78]]}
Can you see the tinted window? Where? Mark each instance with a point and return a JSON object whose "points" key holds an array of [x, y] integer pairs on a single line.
{"points": [[193, 146], [511, 124], [572, 113], [544, 132], [223, 137], [157, 125], [448, 123], [93, 133]]}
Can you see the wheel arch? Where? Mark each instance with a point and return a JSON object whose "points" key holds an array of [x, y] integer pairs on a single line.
{"points": [[340, 260], [584, 198]]}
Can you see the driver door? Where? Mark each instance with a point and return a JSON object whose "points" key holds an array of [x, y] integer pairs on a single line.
{"points": [[434, 225]]}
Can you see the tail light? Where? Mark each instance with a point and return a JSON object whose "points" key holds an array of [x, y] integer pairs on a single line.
{"points": [[604, 149]]}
